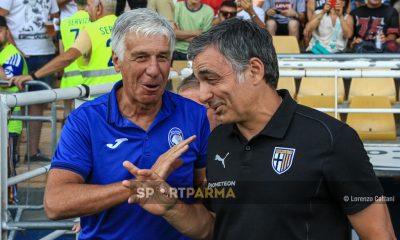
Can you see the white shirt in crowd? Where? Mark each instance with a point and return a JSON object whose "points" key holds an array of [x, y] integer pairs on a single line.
{"points": [[26, 21]]}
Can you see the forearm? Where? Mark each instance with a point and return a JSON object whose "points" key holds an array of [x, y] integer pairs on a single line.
{"points": [[314, 23], [184, 35], [76, 199], [347, 33], [58, 63], [301, 17], [193, 220], [255, 18]]}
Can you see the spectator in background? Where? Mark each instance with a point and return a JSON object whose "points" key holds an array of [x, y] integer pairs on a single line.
{"points": [[27, 23], [67, 8], [133, 4], [258, 3], [190, 88], [93, 44], [192, 17], [331, 27], [69, 29], [11, 63], [214, 4], [164, 7], [285, 17], [248, 11], [227, 10], [376, 28], [312, 6]]}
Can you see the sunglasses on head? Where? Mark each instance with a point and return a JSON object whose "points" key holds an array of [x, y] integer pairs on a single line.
{"points": [[227, 14]]}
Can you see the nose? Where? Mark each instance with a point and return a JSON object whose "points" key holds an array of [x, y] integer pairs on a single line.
{"points": [[205, 92], [153, 68]]}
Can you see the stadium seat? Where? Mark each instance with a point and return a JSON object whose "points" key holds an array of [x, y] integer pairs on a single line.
{"points": [[289, 84], [285, 44], [318, 102], [372, 126], [321, 86], [372, 87]]}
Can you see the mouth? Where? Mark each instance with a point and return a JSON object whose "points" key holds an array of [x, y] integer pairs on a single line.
{"points": [[217, 108], [151, 87]]}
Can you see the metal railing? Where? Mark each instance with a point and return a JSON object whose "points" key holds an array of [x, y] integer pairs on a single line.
{"points": [[22, 99]]}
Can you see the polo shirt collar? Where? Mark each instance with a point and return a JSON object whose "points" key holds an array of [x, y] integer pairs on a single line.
{"points": [[115, 117], [280, 121]]}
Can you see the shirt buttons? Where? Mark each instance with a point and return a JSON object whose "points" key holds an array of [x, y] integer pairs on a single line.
{"points": [[247, 148]]}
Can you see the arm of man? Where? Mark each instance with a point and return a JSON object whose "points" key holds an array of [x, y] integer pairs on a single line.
{"points": [[57, 64], [373, 222], [67, 195], [81, 47], [186, 35]]}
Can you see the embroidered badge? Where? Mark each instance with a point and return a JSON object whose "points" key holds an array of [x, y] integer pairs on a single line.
{"points": [[282, 159], [175, 136]]}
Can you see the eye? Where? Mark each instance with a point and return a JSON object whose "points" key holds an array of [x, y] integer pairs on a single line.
{"points": [[163, 58], [140, 58]]}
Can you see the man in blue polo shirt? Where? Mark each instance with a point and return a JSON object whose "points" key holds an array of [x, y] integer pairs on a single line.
{"points": [[138, 122]]}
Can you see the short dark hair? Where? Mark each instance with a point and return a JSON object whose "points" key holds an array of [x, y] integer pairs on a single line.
{"points": [[81, 2], [239, 41], [189, 82], [228, 3], [3, 22]]}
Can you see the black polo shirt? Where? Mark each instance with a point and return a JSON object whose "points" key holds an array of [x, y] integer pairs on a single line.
{"points": [[297, 179]]}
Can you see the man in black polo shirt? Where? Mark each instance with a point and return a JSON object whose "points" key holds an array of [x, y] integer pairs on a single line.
{"points": [[296, 173]]}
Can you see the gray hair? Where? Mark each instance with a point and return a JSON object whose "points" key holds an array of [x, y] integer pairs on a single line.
{"points": [[239, 41], [108, 5], [189, 82], [141, 21]]}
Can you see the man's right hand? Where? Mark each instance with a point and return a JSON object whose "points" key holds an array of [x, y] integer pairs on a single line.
{"points": [[148, 190]]}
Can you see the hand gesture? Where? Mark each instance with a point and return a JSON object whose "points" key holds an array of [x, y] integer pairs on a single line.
{"points": [[19, 81], [148, 190], [271, 12], [327, 6], [169, 161], [247, 6], [339, 8]]}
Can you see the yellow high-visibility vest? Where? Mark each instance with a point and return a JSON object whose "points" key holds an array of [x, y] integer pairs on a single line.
{"points": [[69, 29], [14, 126], [100, 68]]}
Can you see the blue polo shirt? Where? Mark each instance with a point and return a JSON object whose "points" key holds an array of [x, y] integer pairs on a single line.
{"points": [[97, 139]]}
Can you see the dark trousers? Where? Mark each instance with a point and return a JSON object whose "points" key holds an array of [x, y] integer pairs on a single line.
{"points": [[132, 5]]}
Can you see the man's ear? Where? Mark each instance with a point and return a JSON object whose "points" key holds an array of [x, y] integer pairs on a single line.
{"points": [[116, 61], [100, 9], [256, 70]]}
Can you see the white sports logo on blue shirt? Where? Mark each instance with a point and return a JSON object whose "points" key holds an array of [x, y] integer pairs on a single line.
{"points": [[117, 143], [175, 136]]}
